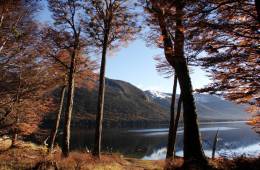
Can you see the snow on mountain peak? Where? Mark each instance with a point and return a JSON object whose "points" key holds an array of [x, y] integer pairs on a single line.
{"points": [[155, 93]]}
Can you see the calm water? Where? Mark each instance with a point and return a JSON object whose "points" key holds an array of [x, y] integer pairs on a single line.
{"points": [[235, 138]]}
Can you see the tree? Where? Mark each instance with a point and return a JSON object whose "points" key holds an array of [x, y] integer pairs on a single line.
{"points": [[174, 54], [66, 14], [171, 139], [54, 49], [23, 86], [111, 23], [23, 72], [58, 117], [164, 68], [229, 41], [15, 15]]}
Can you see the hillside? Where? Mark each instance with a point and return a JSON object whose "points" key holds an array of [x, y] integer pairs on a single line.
{"points": [[126, 105], [209, 107]]}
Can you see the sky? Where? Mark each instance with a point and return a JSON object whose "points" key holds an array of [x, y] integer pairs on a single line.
{"points": [[134, 64]]}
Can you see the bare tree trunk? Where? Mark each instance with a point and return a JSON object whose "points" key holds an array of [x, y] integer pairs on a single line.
{"points": [[69, 106], [57, 123], [214, 147], [192, 144], [101, 97], [170, 147], [177, 119]]}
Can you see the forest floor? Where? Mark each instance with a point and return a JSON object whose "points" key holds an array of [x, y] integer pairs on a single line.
{"points": [[27, 156]]}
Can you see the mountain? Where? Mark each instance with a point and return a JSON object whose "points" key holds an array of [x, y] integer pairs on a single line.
{"points": [[209, 107], [127, 105]]}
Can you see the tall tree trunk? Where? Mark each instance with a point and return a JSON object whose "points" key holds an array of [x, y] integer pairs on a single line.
{"points": [[177, 119], [101, 97], [192, 144], [57, 123], [69, 106], [170, 147]]}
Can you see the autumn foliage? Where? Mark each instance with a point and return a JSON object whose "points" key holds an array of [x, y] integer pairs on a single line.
{"points": [[221, 36]]}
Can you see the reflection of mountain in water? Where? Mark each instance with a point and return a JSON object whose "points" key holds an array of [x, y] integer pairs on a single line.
{"points": [[233, 137], [249, 151]]}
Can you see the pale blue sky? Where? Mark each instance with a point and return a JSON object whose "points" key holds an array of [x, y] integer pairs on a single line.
{"points": [[135, 65]]}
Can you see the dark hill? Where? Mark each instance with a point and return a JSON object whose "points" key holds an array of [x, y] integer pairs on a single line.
{"points": [[126, 105]]}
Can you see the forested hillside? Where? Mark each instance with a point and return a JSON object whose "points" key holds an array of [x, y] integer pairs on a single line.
{"points": [[129, 106], [125, 105], [56, 61]]}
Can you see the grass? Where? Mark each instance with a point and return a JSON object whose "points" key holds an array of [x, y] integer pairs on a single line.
{"points": [[31, 156], [28, 156]]}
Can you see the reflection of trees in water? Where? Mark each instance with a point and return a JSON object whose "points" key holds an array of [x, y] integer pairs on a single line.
{"points": [[139, 144]]}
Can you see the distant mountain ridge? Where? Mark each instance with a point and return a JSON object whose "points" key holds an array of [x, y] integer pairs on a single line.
{"points": [[127, 105], [209, 107]]}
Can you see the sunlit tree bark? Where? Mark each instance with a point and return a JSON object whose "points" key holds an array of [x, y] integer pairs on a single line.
{"points": [[57, 121]]}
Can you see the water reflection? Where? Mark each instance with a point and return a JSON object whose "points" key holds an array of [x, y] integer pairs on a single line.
{"points": [[236, 138], [249, 151], [165, 131]]}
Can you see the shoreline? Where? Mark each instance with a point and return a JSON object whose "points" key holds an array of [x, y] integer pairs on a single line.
{"points": [[27, 155]]}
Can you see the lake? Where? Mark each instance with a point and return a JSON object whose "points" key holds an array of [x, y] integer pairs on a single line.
{"points": [[235, 139]]}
